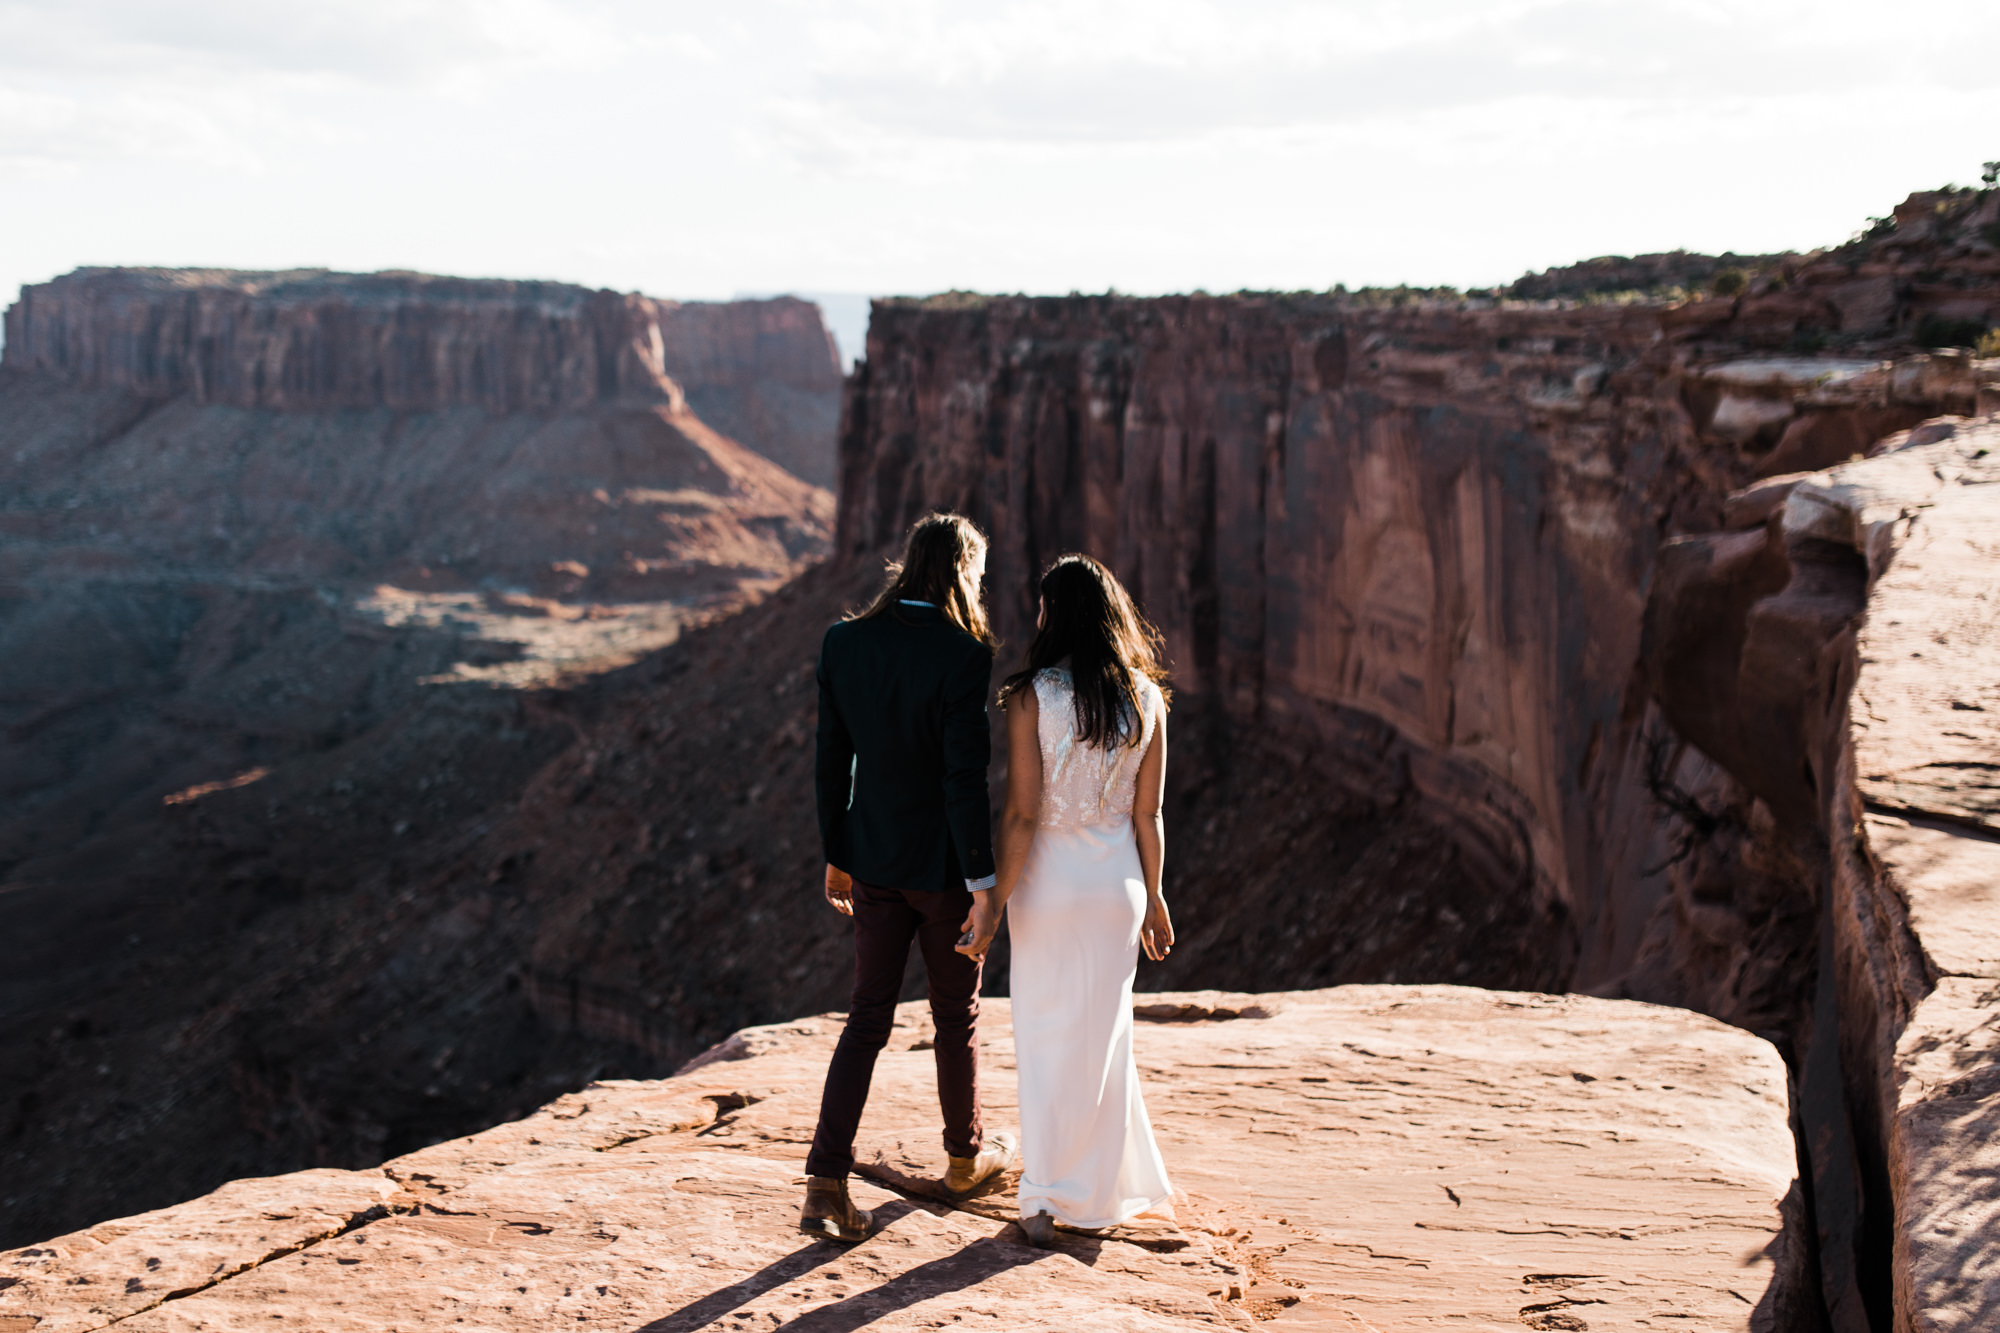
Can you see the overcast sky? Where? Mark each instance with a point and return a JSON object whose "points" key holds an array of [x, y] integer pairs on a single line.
{"points": [[902, 146]]}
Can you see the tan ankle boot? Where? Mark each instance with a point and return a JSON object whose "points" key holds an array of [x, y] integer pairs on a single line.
{"points": [[831, 1214], [967, 1174]]}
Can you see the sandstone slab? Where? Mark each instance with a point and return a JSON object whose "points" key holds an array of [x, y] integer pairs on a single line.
{"points": [[1910, 818], [1362, 1158], [1927, 705], [1945, 1142], [1945, 1166], [116, 1270]]}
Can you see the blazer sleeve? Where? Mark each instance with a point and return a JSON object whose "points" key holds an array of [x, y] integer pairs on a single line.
{"points": [[833, 763], [968, 749]]}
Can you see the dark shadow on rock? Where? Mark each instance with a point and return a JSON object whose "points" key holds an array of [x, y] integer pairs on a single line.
{"points": [[984, 1258], [815, 1254]]}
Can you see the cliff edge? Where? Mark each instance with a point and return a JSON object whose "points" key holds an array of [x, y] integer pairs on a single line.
{"points": [[1834, 648], [1368, 1157]]}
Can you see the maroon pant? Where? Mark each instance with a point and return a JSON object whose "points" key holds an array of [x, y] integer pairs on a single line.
{"points": [[885, 920]]}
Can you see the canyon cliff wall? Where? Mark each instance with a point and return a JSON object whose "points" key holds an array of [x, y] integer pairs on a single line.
{"points": [[1414, 540], [1405, 548], [373, 535], [763, 372], [231, 503], [1432, 725], [1833, 647]]}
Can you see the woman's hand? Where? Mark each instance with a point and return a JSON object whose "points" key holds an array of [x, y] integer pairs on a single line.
{"points": [[1156, 935]]}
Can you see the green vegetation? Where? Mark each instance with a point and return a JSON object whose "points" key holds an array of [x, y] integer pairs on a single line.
{"points": [[1397, 296], [1935, 331]]}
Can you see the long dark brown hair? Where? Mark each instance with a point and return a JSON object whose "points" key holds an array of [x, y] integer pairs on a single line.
{"points": [[1088, 618], [937, 568]]}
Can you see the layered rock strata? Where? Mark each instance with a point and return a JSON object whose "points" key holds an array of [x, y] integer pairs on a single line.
{"points": [[1834, 649], [1411, 545], [1415, 551], [765, 372], [310, 340], [247, 514], [278, 535], [1676, 273], [1408, 546], [1360, 1158], [1415, 535]]}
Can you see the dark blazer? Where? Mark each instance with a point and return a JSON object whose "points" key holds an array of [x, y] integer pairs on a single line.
{"points": [[903, 749]]}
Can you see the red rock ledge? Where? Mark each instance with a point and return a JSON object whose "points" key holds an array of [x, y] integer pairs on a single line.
{"points": [[1362, 1158]]}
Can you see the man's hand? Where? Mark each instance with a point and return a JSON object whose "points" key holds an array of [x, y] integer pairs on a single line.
{"points": [[980, 925], [840, 890]]}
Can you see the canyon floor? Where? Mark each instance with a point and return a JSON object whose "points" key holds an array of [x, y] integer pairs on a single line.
{"points": [[1359, 1158]]}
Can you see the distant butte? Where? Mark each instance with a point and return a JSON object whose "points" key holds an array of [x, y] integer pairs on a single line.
{"points": [[308, 340], [256, 524]]}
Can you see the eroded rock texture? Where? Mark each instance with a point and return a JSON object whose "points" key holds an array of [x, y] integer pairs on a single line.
{"points": [[1456, 702], [1835, 652], [1362, 1158], [1406, 551], [1416, 537], [1439, 557], [255, 527], [762, 371]]}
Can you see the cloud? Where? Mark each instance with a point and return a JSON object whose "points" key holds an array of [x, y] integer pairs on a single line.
{"points": [[374, 41], [44, 131], [905, 144], [228, 84], [1175, 69]]}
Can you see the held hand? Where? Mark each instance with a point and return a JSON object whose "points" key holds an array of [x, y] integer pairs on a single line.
{"points": [[840, 890], [980, 926], [1157, 933]]}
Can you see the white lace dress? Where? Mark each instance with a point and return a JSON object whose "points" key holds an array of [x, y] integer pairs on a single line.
{"points": [[1086, 1143]]}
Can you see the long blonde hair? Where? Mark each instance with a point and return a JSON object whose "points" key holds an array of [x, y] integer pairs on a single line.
{"points": [[936, 567]]}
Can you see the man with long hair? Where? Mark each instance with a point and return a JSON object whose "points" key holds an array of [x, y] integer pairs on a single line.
{"points": [[903, 814]]}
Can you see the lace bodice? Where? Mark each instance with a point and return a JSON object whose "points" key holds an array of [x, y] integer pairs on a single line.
{"points": [[1087, 784]]}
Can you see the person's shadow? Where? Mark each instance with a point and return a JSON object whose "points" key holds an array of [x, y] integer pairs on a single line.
{"points": [[983, 1258]]}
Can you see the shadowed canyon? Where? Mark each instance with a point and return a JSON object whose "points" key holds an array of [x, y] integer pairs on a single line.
{"points": [[408, 726]]}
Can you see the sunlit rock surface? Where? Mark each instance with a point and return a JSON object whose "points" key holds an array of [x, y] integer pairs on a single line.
{"points": [[1362, 1158], [1836, 651]]}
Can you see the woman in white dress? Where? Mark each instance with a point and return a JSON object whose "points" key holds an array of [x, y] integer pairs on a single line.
{"points": [[1080, 856]]}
